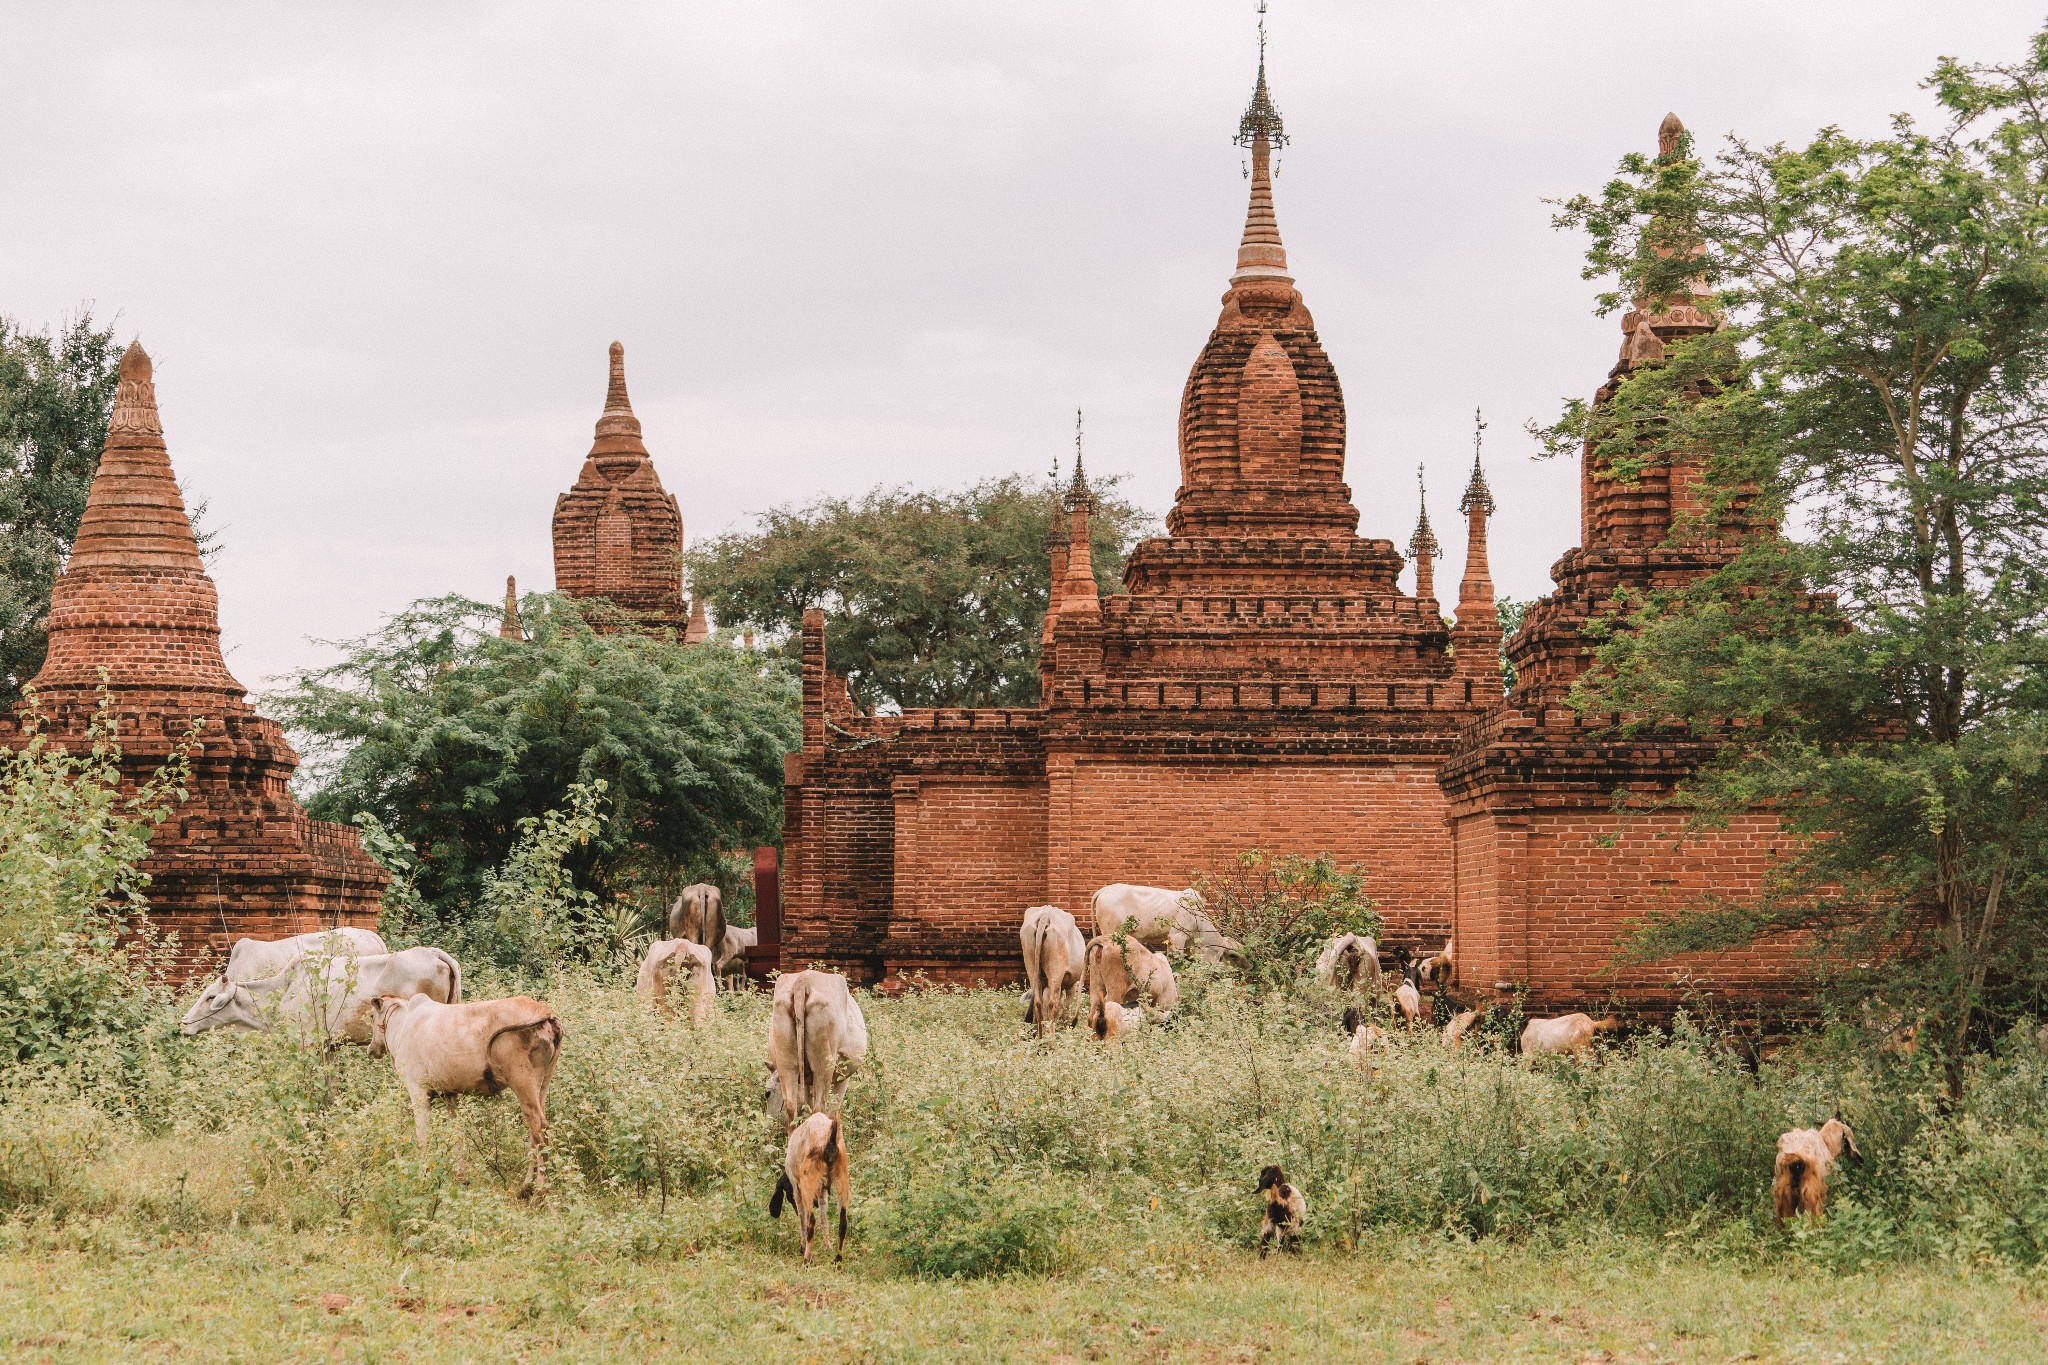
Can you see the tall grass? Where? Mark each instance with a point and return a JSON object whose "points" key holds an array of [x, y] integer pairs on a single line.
{"points": [[977, 1149]]}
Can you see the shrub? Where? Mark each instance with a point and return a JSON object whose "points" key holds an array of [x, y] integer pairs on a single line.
{"points": [[1282, 909]]}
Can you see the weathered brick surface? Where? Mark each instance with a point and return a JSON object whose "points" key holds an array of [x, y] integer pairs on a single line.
{"points": [[618, 533], [238, 857]]}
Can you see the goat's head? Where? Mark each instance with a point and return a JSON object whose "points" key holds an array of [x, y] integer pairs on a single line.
{"points": [[1353, 1017], [1271, 1178], [1838, 1138]]}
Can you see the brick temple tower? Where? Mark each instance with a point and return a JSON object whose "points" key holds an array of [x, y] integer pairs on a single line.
{"points": [[618, 534], [1548, 870], [134, 602], [1262, 682]]}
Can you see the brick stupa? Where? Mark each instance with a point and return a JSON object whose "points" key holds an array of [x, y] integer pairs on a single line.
{"points": [[134, 605], [618, 533]]}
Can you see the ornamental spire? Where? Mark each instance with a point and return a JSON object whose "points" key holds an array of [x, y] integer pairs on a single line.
{"points": [[1078, 492], [508, 624], [1261, 254], [1476, 640], [1477, 494], [1422, 546], [618, 446]]}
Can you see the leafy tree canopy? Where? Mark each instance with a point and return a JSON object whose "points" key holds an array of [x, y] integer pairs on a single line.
{"points": [[56, 393], [451, 737], [932, 599], [1879, 390]]}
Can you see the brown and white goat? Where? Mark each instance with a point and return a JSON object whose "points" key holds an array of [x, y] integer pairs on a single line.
{"points": [[814, 1162], [1805, 1155], [1568, 1034], [1286, 1211]]}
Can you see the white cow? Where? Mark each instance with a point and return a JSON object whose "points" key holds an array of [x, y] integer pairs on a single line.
{"points": [[1347, 960], [330, 997], [817, 1039], [442, 1051], [252, 959], [1163, 920], [732, 954], [1053, 952], [1567, 1035], [677, 961]]}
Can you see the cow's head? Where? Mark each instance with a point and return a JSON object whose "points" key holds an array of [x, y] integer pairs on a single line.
{"points": [[222, 1004], [381, 1011]]}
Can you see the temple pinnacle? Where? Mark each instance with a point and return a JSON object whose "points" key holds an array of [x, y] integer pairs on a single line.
{"points": [[1668, 134], [1078, 493], [1424, 541], [1260, 253], [1477, 494]]}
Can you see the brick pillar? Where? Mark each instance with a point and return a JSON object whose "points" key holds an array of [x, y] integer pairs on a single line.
{"points": [[766, 954]]}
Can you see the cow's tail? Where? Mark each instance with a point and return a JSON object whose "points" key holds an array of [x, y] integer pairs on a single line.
{"points": [[800, 1003], [1098, 1017], [454, 977], [1035, 974]]}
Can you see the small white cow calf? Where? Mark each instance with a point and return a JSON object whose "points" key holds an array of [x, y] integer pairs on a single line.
{"points": [[1347, 960], [1567, 1035], [326, 997], [814, 1161], [446, 1051], [676, 962], [1053, 961], [732, 955], [252, 959], [1126, 971], [1162, 919], [817, 1039]]}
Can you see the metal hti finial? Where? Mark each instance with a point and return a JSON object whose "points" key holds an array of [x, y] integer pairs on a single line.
{"points": [[1424, 541], [1477, 495], [1261, 119], [1077, 491]]}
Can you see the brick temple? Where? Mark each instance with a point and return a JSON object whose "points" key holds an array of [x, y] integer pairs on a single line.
{"points": [[1264, 682], [135, 612], [618, 534]]}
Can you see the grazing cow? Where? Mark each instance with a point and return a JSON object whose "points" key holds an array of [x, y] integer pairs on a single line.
{"points": [[1567, 1035], [1805, 1156], [445, 1051], [327, 997], [699, 915], [814, 1160], [672, 961], [732, 955], [817, 1039], [1408, 1001], [1124, 971], [1454, 1032], [1163, 920], [1286, 1211], [1053, 953], [1348, 959], [252, 959]]}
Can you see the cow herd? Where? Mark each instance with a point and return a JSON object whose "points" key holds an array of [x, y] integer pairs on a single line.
{"points": [[345, 985]]}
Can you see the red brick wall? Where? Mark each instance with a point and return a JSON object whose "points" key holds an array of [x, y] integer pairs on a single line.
{"points": [[1545, 897], [970, 859]]}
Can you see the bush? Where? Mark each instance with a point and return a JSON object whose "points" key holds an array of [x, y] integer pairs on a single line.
{"points": [[1282, 909], [960, 1220]]}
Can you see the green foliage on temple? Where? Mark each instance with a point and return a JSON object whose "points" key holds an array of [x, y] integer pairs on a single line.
{"points": [[56, 392], [1880, 389], [931, 598], [457, 740]]}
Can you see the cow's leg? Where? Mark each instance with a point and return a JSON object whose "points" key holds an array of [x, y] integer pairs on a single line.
{"points": [[533, 1108], [449, 1103], [420, 1100]]}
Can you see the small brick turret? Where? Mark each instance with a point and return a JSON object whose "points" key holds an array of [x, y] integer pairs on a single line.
{"points": [[618, 534], [1423, 546], [238, 857], [508, 623], [1476, 641]]}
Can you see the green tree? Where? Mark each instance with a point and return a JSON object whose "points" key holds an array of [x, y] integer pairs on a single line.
{"points": [[932, 599], [56, 393], [1879, 389], [456, 740]]}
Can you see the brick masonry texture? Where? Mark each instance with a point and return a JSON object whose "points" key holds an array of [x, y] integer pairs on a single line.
{"points": [[1263, 682], [618, 534], [134, 604]]}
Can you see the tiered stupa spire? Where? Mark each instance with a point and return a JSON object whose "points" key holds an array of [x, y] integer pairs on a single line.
{"points": [[135, 612], [1477, 638], [508, 622], [618, 533]]}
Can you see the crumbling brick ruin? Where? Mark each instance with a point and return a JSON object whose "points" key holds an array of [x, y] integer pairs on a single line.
{"points": [[617, 532], [1264, 682], [239, 857]]}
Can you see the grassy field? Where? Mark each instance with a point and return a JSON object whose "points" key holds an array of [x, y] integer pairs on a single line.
{"points": [[237, 1198]]}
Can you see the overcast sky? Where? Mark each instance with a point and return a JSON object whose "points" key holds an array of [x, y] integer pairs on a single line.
{"points": [[378, 251]]}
